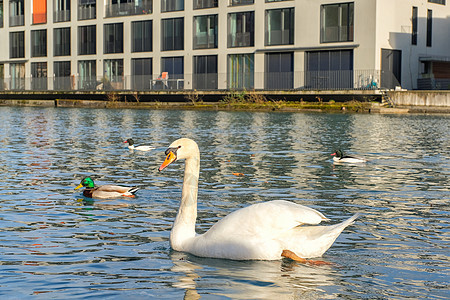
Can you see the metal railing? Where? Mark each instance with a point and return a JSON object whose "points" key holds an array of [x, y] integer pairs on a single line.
{"points": [[309, 80], [128, 9]]}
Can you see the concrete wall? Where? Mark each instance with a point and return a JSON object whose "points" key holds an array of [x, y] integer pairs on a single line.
{"points": [[421, 98]]}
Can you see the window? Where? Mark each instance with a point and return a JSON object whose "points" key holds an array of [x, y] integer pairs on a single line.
{"points": [[205, 32], [275, 0], [113, 38], [429, 27], [174, 66], [172, 5], [86, 40], [437, 1], [17, 44], [279, 73], [172, 34], [62, 11], [414, 26], [199, 4], [39, 11], [39, 75], [87, 9], [39, 43], [241, 29], [205, 72], [336, 23], [61, 69], [141, 36], [113, 71], [141, 71], [329, 69], [240, 2], [118, 8], [280, 26], [87, 74], [17, 74], [241, 71], [16, 13], [61, 43], [1, 17]]}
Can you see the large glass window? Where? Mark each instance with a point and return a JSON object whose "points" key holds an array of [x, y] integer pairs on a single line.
{"points": [[240, 2], [172, 34], [61, 11], [174, 66], [17, 74], [141, 36], [280, 26], [205, 32], [87, 40], [113, 38], [113, 73], [39, 11], [199, 4], [118, 8], [87, 74], [241, 71], [141, 71], [39, 75], [429, 27], [336, 23], [279, 73], [16, 13], [241, 29], [329, 69], [39, 43], [1, 17], [61, 41], [87, 9], [414, 24], [62, 70], [17, 44], [205, 72], [172, 5]]}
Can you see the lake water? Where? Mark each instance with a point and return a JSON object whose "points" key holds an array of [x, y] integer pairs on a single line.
{"points": [[56, 244]]}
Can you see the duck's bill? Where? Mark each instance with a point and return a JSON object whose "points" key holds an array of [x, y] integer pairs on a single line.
{"points": [[334, 154], [170, 158], [79, 186]]}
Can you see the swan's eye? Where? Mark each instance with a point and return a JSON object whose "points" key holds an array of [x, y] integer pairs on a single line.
{"points": [[173, 150]]}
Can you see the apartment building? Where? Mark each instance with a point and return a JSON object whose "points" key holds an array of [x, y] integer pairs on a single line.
{"points": [[224, 44]]}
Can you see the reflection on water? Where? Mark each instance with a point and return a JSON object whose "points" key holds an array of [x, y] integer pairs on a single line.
{"points": [[56, 243]]}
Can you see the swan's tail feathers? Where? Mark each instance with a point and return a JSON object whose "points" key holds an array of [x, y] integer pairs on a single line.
{"points": [[313, 241]]}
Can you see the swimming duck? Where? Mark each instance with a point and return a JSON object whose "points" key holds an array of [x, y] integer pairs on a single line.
{"points": [[340, 157], [140, 148], [264, 231], [105, 191]]}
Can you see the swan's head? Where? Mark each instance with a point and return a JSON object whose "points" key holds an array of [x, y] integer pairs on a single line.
{"points": [[180, 149]]}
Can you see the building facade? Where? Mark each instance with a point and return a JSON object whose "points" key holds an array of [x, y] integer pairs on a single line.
{"points": [[224, 44]]}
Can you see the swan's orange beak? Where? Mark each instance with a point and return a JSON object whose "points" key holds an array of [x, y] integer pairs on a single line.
{"points": [[170, 158]]}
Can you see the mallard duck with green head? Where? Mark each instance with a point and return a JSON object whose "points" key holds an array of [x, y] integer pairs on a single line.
{"points": [[105, 191]]}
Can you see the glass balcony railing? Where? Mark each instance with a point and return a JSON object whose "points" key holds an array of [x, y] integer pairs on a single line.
{"points": [[128, 9]]}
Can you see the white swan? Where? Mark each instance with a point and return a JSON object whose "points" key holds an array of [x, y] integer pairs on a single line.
{"points": [[264, 231]]}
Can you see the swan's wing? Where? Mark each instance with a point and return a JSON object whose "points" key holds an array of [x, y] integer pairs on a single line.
{"points": [[267, 219]]}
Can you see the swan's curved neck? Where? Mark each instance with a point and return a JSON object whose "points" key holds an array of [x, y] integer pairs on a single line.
{"points": [[184, 225]]}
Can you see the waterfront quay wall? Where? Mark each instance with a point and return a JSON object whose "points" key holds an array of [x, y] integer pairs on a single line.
{"points": [[420, 98], [403, 100]]}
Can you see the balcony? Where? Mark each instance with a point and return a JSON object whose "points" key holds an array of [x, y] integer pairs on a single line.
{"points": [[87, 12], [128, 9], [241, 2], [18, 20], [40, 18], [61, 16]]}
